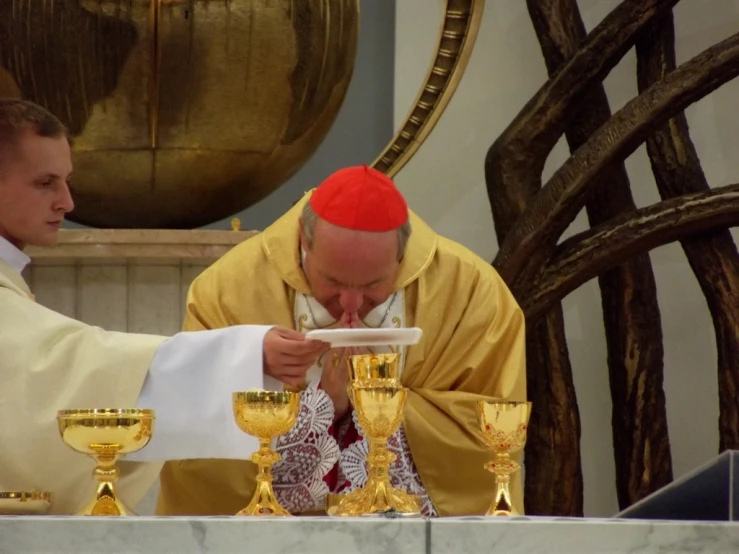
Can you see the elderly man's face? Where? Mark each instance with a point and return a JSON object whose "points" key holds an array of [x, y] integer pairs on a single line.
{"points": [[34, 189], [350, 272]]}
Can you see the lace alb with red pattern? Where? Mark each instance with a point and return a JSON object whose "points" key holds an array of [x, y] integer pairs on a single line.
{"points": [[309, 453]]}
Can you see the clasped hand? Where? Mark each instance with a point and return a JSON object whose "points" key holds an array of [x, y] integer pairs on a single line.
{"points": [[335, 379], [335, 375]]}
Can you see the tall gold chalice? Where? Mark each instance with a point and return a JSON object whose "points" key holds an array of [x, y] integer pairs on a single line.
{"points": [[265, 415], [504, 426], [106, 435], [378, 399]]}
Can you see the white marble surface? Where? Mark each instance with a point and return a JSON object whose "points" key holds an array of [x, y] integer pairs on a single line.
{"points": [[320, 535], [227, 535], [581, 536]]}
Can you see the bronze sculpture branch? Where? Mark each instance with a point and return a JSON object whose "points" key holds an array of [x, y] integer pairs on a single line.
{"points": [[585, 255], [712, 256]]}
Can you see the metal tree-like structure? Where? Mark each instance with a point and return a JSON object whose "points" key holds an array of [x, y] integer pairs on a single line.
{"points": [[530, 217]]}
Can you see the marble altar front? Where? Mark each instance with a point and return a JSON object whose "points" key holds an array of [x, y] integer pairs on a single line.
{"points": [[227, 535]]}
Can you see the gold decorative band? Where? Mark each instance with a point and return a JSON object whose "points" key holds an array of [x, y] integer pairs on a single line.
{"points": [[457, 38]]}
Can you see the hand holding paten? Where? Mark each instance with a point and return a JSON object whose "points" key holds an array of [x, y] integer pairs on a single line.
{"points": [[288, 355]]}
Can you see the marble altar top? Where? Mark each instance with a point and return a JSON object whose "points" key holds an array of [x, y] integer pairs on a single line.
{"points": [[221, 535]]}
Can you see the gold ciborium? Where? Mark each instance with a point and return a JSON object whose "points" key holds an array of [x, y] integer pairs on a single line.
{"points": [[504, 426], [106, 435], [265, 415], [378, 401]]}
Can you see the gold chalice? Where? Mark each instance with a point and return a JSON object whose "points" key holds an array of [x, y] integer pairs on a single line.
{"points": [[265, 415], [380, 412], [106, 435], [375, 369], [504, 427]]}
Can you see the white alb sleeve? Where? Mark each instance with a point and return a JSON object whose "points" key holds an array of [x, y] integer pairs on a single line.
{"points": [[190, 384]]}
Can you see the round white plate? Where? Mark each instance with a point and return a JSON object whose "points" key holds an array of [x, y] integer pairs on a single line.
{"points": [[367, 337]]}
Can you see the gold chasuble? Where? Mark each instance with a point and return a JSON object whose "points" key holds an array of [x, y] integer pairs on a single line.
{"points": [[50, 362], [473, 347]]}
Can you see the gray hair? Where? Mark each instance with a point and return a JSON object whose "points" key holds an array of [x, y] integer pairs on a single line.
{"points": [[309, 219]]}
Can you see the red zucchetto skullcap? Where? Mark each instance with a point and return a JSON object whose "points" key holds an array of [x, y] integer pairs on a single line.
{"points": [[360, 198]]}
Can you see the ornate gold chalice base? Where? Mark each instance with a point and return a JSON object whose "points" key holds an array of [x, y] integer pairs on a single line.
{"points": [[25, 503], [380, 412], [106, 435], [504, 426], [374, 369], [265, 415]]}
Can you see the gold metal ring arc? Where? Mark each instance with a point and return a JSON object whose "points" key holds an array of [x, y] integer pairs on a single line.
{"points": [[459, 30]]}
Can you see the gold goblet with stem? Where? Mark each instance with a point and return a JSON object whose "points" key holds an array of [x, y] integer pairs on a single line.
{"points": [[265, 415], [504, 426], [379, 400], [106, 435]]}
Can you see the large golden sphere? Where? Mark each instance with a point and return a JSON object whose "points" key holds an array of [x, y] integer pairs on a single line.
{"points": [[183, 111]]}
